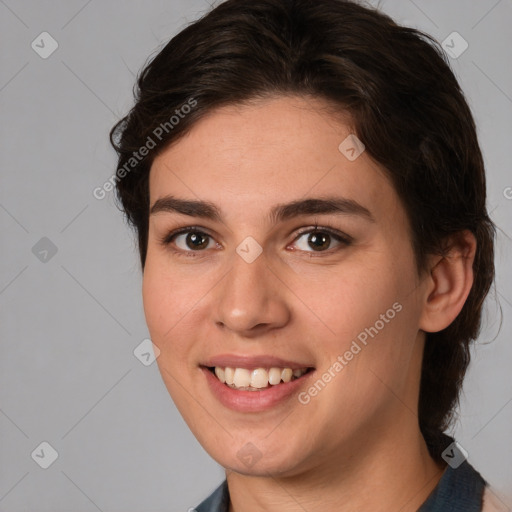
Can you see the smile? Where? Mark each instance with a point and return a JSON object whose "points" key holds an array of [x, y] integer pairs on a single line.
{"points": [[257, 379]]}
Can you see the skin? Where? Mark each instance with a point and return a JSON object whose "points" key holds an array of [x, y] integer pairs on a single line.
{"points": [[357, 444]]}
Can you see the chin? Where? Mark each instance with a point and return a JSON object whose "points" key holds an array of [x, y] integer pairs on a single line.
{"points": [[253, 459]]}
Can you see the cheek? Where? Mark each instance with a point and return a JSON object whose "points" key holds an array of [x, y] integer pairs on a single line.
{"points": [[163, 321], [167, 299], [353, 300], [156, 301], [173, 314], [371, 311]]}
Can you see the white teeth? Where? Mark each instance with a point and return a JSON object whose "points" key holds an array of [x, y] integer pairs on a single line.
{"points": [[221, 374], [242, 378], [229, 375], [286, 374], [259, 378], [274, 376]]}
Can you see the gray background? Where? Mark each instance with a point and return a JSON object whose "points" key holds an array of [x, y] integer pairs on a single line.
{"points": [[69, 325]]}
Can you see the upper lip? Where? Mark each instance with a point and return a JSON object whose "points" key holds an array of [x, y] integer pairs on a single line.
{"points": [[251, 362]]}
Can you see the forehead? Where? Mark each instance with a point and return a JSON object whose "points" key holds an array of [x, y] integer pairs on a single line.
{"points": [[273, 151]]}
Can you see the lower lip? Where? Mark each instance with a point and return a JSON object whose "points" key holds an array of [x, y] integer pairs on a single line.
{"points": [[254, 401]]}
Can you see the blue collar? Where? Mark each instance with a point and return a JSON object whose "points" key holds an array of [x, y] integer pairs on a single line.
{"points": [[459, 490], [218, 501]]}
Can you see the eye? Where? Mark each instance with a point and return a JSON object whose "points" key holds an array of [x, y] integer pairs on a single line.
{"points": [[321, 240], [189, 240]]}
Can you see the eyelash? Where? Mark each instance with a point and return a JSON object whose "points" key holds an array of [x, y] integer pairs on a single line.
{"points": [[343, 239]]}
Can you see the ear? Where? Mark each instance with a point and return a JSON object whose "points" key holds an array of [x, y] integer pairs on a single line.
{"points": [[449, 283]]}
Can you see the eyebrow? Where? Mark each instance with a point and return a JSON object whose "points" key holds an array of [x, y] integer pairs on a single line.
{"points": [[279, 213]]}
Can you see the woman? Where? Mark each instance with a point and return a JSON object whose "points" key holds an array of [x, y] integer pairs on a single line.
{"points": [[309, 196]]}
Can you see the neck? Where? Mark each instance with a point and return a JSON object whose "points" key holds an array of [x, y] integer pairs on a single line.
{"points": [[389, 474]]}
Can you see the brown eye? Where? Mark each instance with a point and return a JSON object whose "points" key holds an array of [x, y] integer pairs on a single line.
{"points": [[196, 241], [321, 240], [189, 240]]}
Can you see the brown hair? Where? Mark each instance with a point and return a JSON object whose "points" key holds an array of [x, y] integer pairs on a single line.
{"points": [[406, 107]]}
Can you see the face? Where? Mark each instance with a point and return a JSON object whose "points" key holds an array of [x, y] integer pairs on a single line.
{"points": [[272, 252]]}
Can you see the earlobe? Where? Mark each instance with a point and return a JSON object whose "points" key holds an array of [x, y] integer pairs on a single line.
{"points": [[449, 283]]}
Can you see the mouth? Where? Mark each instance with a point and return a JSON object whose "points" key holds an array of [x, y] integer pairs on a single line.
{"points": [[256, 379], [255, 383]]}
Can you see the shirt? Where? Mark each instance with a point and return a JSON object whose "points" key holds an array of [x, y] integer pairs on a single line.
{"points": [[460, 490]]}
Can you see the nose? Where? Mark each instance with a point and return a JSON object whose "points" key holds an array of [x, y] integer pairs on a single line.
{"points": [[251, 300]]}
